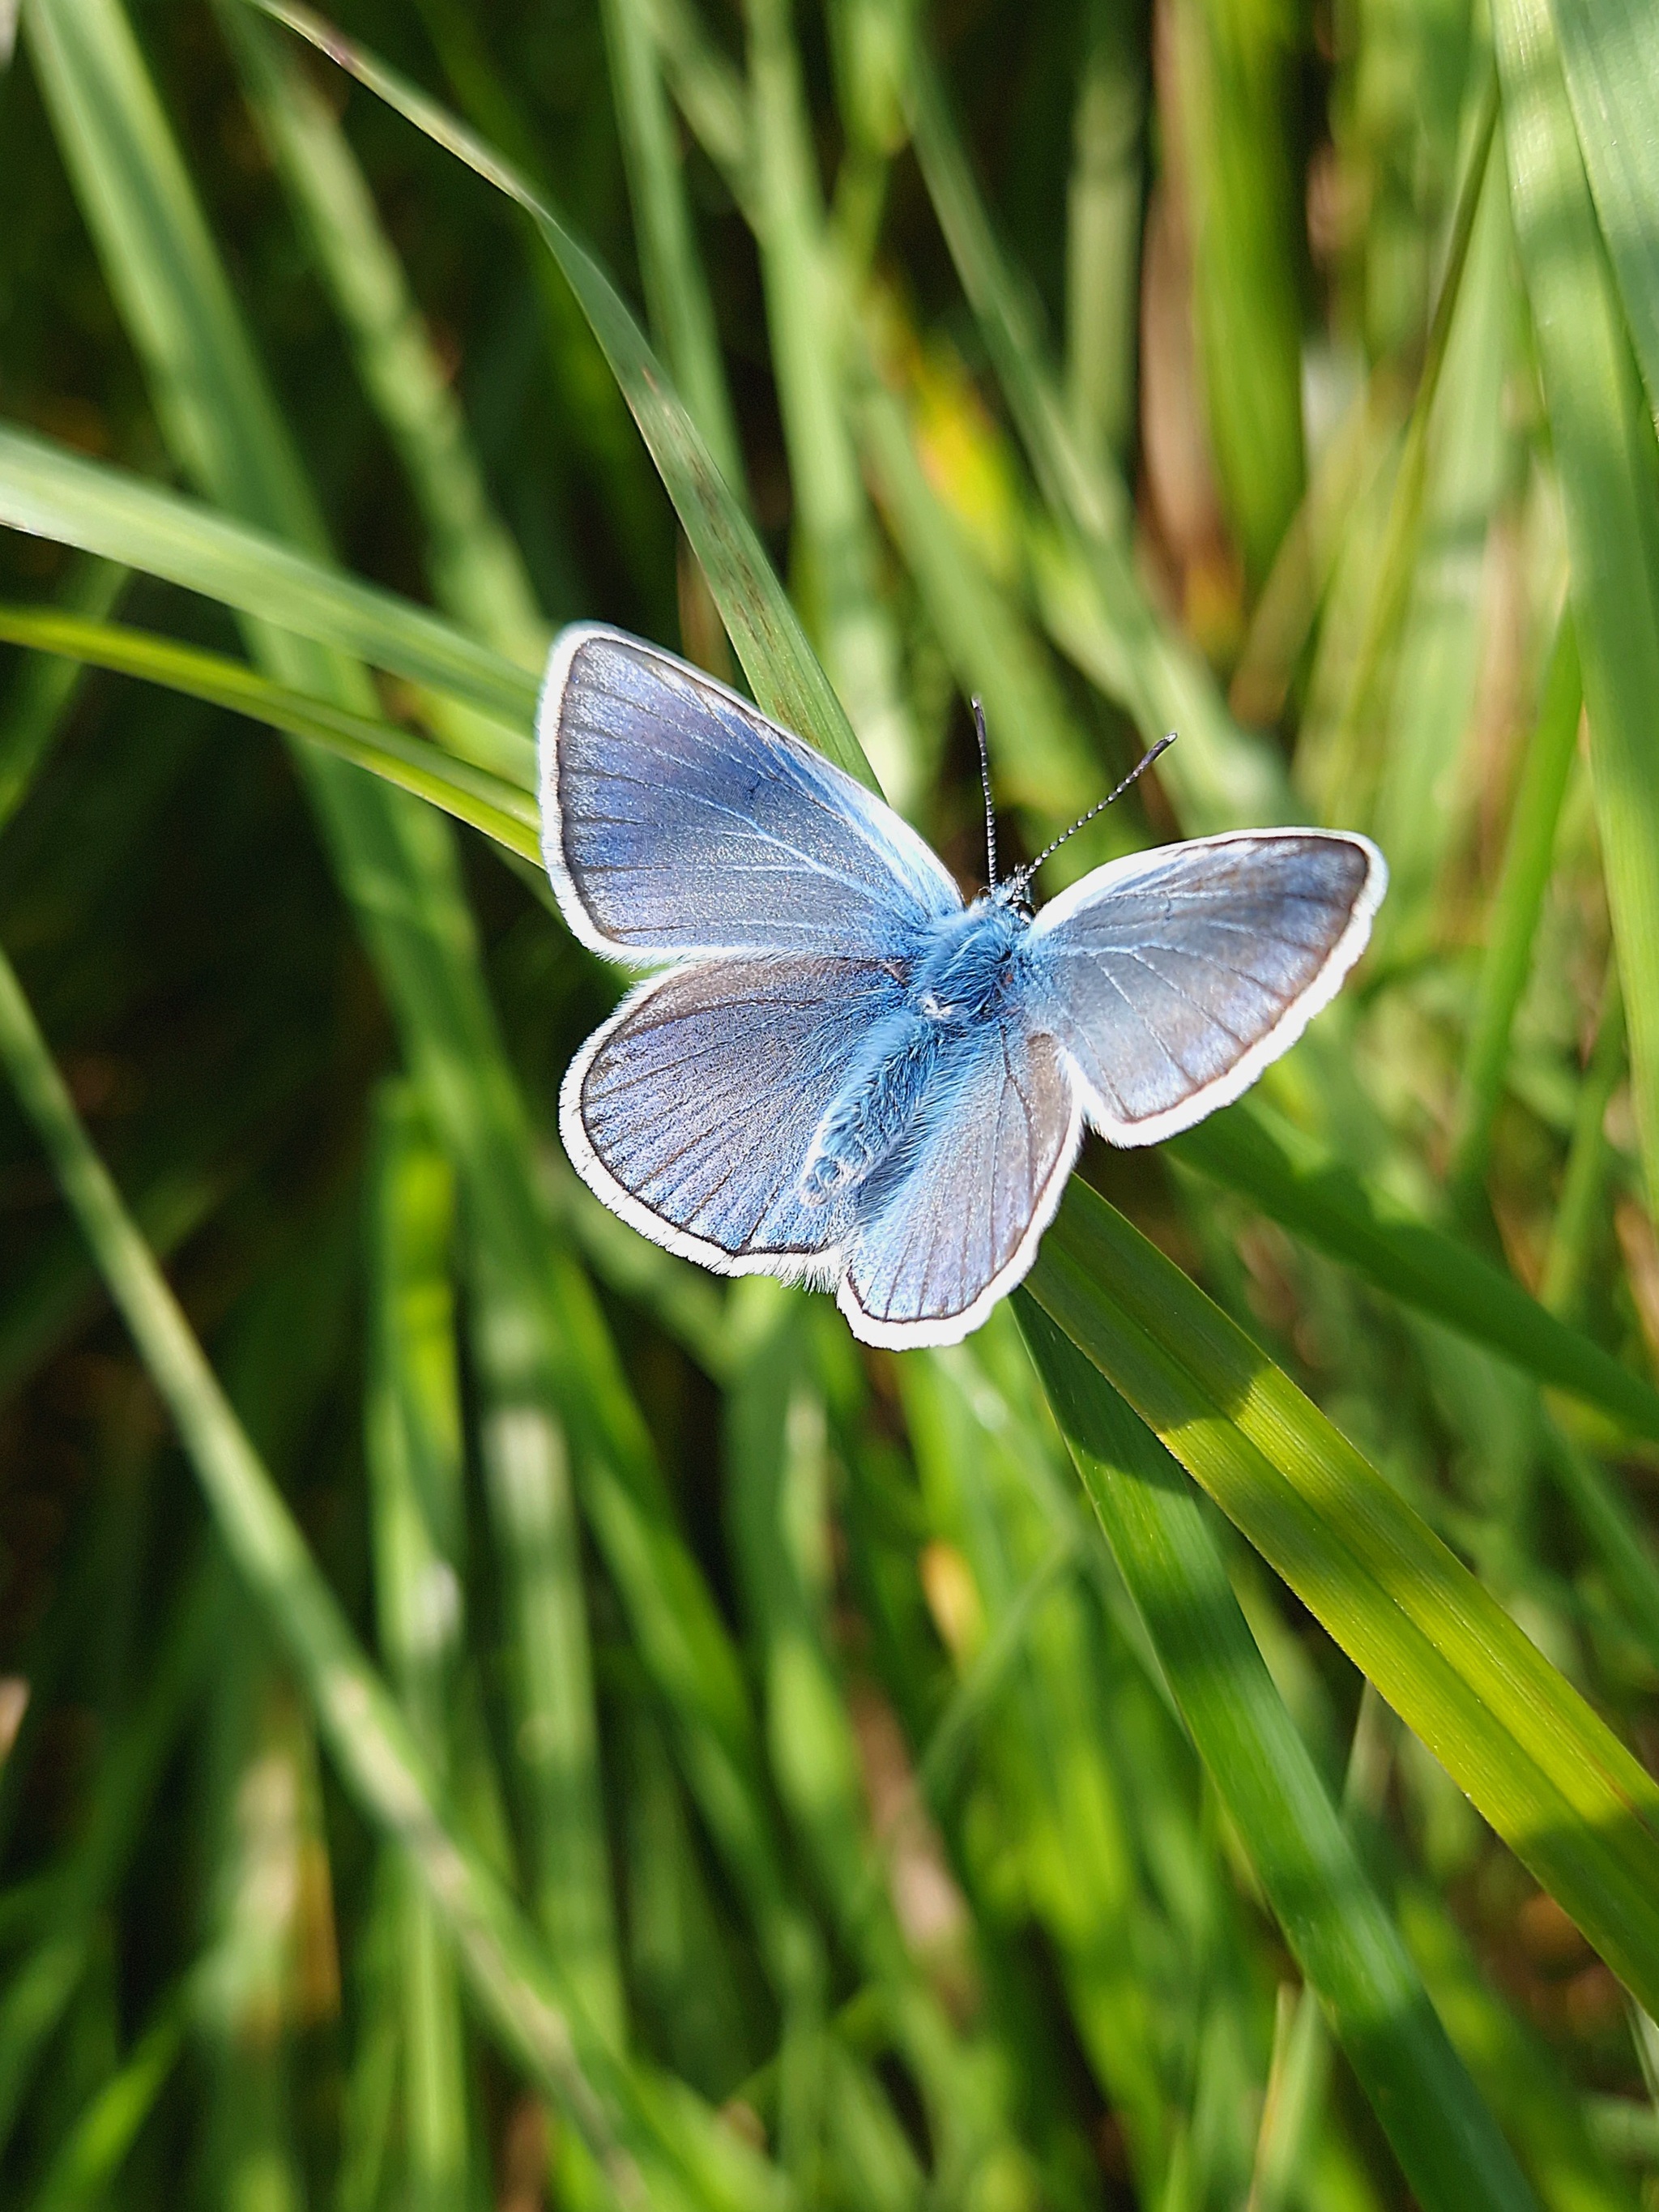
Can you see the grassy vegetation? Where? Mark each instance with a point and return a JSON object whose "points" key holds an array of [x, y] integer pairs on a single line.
{"points": [[489, 1715]]}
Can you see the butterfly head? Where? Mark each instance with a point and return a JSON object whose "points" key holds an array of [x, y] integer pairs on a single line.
{"points": [[1014, 891]]}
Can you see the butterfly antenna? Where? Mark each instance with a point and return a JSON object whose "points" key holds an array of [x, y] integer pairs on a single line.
{"points": [[1023, 876], [985, 785]]}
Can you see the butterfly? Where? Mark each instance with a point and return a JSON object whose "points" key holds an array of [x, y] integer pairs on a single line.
{"points": [[843, 1073]]}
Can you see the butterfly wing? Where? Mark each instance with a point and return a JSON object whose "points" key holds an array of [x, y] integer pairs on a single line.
{"points": [[953, 1222], [1173, 977], [690, 1113], [677, 821]]}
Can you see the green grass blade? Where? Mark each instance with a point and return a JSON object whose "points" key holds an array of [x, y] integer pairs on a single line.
{"points": [[49, 492], [1516, 904], [1297, 1183], [82, 2173], [1548, 1775], [1580, 1211], [1448, 2146], [1604, 448], [471, 795], [511, 1979], [759, 619]]}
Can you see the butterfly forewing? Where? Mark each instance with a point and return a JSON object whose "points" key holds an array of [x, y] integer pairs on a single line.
{"points": [[677, 820], [1173, 977]]}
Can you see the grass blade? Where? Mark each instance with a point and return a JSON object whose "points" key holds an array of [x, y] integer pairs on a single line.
{"points": [[1550, 1777], [473, 795], [1297, 1183], [1448, 2146]]}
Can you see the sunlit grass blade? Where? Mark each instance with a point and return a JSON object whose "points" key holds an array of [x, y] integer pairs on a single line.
{"points": [[1548, 1775], [1447, 2144], [510, 1977], [473, 795], [53, 493], [1297, 1182], [761, 624], [85, 2168], [1603, 442]]}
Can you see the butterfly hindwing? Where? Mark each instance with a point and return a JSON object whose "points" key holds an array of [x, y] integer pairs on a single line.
{"points": [[678, 821], [955, 1222], [691, 1112], [1173, 977]]}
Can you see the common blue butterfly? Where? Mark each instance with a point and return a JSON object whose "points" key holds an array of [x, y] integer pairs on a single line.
{"points": [[844, 1074]]}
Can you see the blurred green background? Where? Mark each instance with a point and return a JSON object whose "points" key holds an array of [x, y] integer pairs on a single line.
{"points": [[521, 1722]]}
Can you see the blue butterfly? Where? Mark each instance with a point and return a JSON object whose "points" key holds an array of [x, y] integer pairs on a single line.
{"points": [[844, 1075]]}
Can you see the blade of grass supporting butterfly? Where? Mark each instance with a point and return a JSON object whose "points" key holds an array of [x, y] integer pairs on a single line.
{"points": [[53, 493], [676, 289], [38, 703], [835, 539], [1603, 443], [412, 1454], [759, 619], [1298, 1183], [1544, 1771], [475, 571], [1447, 2144], [1228, 776], [396, 860], [637, 2130], [501, 809], [1512, 918]]}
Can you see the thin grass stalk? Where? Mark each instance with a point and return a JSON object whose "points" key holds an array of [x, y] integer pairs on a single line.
{"points": [[37, 705]]}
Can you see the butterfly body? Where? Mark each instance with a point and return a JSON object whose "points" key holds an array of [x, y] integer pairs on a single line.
{"points": [[844, 1074]]}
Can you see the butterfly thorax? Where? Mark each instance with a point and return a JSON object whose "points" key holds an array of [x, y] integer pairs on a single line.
{"points": [[958, 980]]}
